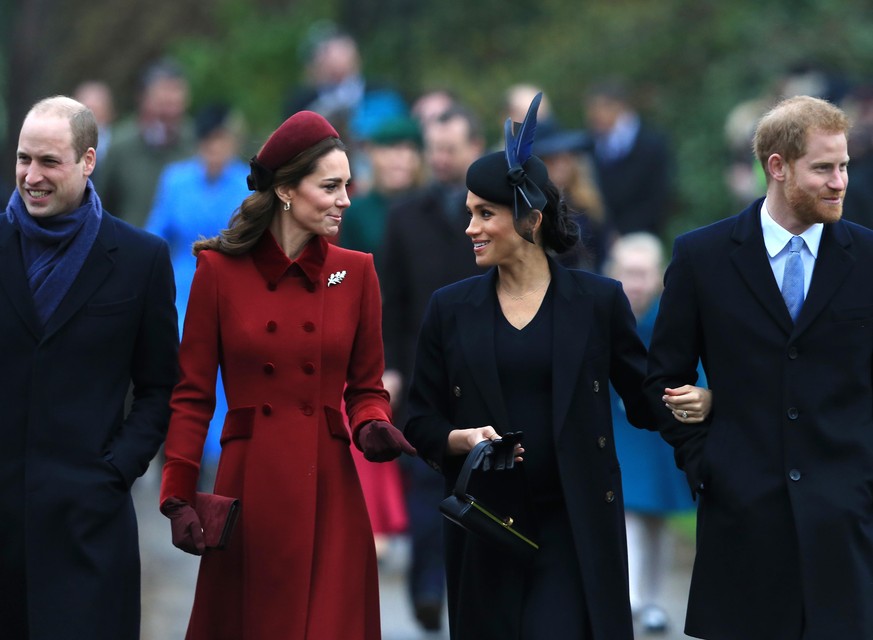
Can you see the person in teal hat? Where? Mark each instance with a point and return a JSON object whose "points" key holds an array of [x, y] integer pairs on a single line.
{"points": [[394, 154]]}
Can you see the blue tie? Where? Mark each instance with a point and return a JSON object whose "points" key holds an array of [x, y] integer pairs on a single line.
{"points": [[792, 280]]}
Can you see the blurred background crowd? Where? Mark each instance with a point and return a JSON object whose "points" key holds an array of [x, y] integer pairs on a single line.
{"points": [[645, 125]]}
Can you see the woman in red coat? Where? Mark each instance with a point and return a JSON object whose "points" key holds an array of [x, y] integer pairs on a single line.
{"points": [[295, 324]]}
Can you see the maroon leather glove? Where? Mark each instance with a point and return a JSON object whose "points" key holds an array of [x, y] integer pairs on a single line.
{"points": [[381, 441], [185, 526]]}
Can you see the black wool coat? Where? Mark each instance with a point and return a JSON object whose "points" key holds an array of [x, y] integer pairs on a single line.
{"points": [[456, 385], [69, 554], [784, 466]]}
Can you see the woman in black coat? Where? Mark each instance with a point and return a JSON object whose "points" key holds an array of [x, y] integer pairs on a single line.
{"points": [[531, 346]]}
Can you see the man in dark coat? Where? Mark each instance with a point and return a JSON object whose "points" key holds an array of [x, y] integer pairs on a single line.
{"points": [[424, 249], [632, 161], [86, 311], [778, 303]]}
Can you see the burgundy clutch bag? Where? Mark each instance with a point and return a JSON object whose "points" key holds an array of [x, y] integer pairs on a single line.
{"points": [[218, 515]]}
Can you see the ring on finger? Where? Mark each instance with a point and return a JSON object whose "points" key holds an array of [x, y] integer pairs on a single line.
{"points": [[684, 414]]}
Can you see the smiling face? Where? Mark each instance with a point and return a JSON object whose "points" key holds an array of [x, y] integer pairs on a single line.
{"points": [[50, 179], [492, 230], [815, 184], [318, 202]]}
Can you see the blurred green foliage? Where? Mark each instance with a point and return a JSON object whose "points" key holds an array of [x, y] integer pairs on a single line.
{"points": [[691, 61]]}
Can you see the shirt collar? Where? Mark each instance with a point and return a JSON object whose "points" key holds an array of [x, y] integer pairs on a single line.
{"points": [[272, 262], [776, 236]]}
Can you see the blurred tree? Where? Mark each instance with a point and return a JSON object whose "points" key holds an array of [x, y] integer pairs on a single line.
{"points": [[691, 61]]}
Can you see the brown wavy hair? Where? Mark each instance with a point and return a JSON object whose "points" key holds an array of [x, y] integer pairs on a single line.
{"points": [[248, 223]]}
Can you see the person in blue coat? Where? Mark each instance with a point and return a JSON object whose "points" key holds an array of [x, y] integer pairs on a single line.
{"points": [[195, 199], [86, 313], [654, 488]]}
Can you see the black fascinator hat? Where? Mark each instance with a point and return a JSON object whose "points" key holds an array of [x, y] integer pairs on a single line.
{"points": [[513, 177]]}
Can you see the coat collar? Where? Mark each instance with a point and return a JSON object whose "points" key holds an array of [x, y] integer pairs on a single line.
{"points": [[13, 280], [97, 267], [833, 264], [272, 262], [572, 324]]}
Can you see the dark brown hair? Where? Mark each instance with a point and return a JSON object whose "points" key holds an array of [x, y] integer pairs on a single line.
{"points": [[255, 214]]}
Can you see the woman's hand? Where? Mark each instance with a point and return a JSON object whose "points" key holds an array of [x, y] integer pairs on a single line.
{"points": [[462, 441], [689, 404]]}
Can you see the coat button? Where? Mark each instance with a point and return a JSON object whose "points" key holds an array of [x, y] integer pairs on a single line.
{"points": [[601, 442], [793, 413], [793, 353], [306, 410], [456, 391], [308, 368], [794, 474], [271, 326], [269, 368], [610, 496], [309, 327], [597, 386], [266, 408], [271, 286]]}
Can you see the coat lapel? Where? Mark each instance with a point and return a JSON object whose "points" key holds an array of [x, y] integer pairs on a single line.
{"points": [[476, 328], [97, 267], [832, 266], [572, 324], [13, 279], [750, 259]]}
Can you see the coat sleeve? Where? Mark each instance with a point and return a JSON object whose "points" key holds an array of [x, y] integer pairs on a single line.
{"points": [[674, 354], [366, 398], [193, 400], [153, 373], [428, 425]]}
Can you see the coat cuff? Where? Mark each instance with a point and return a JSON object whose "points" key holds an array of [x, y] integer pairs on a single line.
{"points": [[179, 481]]}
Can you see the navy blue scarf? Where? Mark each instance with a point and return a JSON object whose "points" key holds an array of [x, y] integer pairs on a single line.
{"points": [[55, 248]]}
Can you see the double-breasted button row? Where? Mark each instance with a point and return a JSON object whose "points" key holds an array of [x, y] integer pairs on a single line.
{"points": [[610, 496], [596, 386], [271, 326], [306, 409], [601, 442], [308, 368], [794, 474], [793, 413], [456, 391]]}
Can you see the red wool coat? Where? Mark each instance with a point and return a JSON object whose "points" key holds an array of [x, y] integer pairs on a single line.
{"points": [[289, 338]]}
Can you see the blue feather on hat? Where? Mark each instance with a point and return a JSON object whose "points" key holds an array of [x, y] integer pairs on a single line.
{"points": [[519, 147]]}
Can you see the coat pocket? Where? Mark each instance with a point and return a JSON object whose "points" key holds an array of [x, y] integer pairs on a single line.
{"points": [[336, 425], [854, 314], [238, 424], [110, 308]]}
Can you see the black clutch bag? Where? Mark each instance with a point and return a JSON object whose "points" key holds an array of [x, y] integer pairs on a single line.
{"points": [[218, 516], [499, 526]]}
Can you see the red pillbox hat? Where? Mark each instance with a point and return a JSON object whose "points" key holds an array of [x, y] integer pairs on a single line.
{"points": [[295, 135]]}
